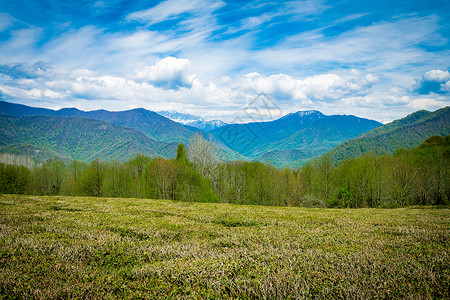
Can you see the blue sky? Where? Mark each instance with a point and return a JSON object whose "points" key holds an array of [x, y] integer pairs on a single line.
{"points": [[375, 59]]}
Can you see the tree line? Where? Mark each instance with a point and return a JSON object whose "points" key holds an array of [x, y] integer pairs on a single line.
{"points": [[420, 176]]}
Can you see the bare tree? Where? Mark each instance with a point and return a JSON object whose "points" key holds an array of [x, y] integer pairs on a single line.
{"points": [[205, 155], [18, 160]]}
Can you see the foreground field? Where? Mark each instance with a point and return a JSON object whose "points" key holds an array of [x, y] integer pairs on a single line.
{"points": [[71, 247]]}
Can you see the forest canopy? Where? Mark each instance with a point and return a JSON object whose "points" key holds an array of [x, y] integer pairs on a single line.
{"points": [[420, 176]]}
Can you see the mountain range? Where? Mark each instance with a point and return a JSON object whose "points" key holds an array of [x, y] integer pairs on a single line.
{"points": [[191, 120], [408, 132], [296, 136], [79, 138], [289, 141], [147, 122]]}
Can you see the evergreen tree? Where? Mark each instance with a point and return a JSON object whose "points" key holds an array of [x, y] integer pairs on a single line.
{"points": [[181, 154]]}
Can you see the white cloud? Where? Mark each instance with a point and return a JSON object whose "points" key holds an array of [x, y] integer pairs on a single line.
{"points": [[433, 81], [425, 103], [437, 75], [383, 46], [170, 9], [153, 87], [6, 21], [20, 46], [32, 94], [320, 87], [168, 70], [445, 86]]}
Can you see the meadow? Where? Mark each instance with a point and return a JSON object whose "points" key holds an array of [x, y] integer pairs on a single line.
{"points": [[82, 247]]}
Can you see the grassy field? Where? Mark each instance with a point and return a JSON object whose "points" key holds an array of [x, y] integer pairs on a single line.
{"points": [[72, 247]]}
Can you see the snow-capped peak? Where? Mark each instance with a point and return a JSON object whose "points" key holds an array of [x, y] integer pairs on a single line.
{"points": [[303, 114], [191, 120]]}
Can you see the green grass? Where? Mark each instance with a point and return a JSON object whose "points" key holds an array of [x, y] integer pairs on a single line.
{"points": [[72, 247]]}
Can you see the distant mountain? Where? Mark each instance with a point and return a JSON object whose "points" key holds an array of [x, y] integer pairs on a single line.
{"points": [[296, 136], [207, 125], [288, 141], [78, 138], [253, 139], [20, 110], [292, 158], [327, 132], [179, 117], [38, 154], [408, 132], [146, 121], [191, 120]]}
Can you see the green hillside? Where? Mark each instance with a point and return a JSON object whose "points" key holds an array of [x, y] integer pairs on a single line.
{"points": [[292, 158], [293, 139], [80, 138], [315, 139], [254, 139], [408, 132], [148, 122], [38, 154]]}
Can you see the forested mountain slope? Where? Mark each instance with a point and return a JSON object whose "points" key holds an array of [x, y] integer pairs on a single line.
{"points": [[80, 138], [408, 132], [146, 121], [298, 136]]}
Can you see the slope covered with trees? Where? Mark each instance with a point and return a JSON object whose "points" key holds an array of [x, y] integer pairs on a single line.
{"points": [[153, 125], [146, 121], [308, 134], [420, 176], [79, 138], [34, 153], [408, 132]]}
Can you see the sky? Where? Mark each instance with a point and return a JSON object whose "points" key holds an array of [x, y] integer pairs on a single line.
{"points": [[223, 59]]}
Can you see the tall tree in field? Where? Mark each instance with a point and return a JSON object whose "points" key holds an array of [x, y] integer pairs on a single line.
{"points": [[163, 178], [72, 180], [14, 179], [135, 169], [434, 153], [205, 155], [92, 179], [401, 178], [324, 180], [181, 154], [48, 179]]}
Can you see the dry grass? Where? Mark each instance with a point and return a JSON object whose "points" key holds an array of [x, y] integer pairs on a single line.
{"points": [[72, 247]]}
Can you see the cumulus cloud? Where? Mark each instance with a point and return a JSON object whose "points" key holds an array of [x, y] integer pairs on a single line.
{"points": [[170, 84], [434, 81], [437, 75], [168, 73], [446, 86], [324, 87], [425, 103], [151, 87]]}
